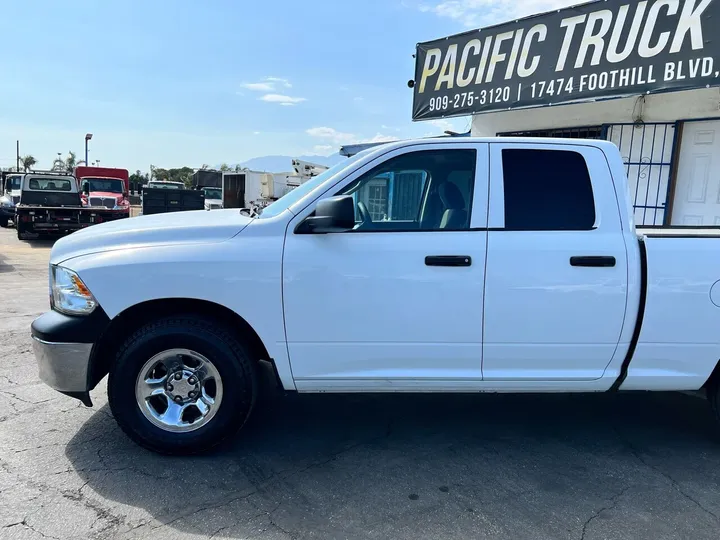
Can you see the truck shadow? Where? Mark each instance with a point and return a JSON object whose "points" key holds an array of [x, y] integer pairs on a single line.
{"points": [[416, 465], [4, 266], [42, 243]]}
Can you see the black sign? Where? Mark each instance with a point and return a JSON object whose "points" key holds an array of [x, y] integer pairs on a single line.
{"points": [[606, 49]]}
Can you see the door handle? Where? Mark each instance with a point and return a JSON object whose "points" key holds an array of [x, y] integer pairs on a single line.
{"points": [[448, 260], [593, 260]]}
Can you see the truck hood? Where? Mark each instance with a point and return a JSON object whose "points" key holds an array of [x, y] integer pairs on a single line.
{"points": [[108, 194], [175, 228]]}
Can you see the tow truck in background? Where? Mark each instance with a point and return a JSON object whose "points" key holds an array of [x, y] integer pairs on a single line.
{"points": [[50, 204], [10, 187], [105, 187]]}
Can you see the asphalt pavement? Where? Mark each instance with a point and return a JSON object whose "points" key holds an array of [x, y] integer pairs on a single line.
{"points": [[332, 466]]}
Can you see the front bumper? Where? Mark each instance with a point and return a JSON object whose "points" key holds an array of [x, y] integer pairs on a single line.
{"points": [[63, 366], [63, 347]]}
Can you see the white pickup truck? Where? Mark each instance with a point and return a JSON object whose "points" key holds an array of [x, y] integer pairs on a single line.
{"points": [[437, 265]]}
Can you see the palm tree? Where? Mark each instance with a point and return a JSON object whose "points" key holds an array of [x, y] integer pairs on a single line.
{"points": [[71, 161], [28, 162]]}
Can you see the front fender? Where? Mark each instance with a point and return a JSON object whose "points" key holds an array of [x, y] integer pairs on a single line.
{"points": [[242, 274]]}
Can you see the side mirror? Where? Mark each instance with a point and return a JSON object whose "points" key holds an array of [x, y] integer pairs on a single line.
{"points": [[86, 189], [334, 214]]}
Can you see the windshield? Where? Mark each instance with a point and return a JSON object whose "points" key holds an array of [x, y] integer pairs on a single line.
{"points": [[165, 185], [212, 193], [15, 182], [299, 192], [112, 185]]}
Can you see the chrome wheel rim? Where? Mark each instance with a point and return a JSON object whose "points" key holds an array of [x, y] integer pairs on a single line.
{"points": [[179, 390]]}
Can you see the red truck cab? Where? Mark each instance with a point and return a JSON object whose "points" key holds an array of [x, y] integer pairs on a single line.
{"points": [[107, 188]]}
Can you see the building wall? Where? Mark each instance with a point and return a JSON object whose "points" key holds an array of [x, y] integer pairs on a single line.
{"points": [[649, 148], [668, 107]]}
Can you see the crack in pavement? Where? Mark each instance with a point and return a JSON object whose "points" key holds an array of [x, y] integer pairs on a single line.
{"points": [[101, 512], [635, 452], [613, 503], [277, 477], [25, 524]]}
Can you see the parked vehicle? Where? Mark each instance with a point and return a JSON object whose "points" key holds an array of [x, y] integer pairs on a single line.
{"points": [[159, 197], [9, 196], [434, 265], [213, 198], [210, 183], [105, 187], [50, 204], [164, 184]]}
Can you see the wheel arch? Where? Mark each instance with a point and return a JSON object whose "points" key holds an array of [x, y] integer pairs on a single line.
{"points": [[132, 318]]}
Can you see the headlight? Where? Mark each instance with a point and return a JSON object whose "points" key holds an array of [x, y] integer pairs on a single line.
{"points": [[68, 293]]}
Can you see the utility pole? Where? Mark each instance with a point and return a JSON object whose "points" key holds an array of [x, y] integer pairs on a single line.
{"points": [[17, 148], [88, 136]]}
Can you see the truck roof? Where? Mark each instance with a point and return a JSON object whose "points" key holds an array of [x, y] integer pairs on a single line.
{"points": [[600, 143]]}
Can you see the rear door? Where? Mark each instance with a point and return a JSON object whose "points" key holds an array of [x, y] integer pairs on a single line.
{"points": [[557, 275], [395, 303]]}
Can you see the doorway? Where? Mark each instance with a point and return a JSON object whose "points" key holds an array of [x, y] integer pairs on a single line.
{"points": [[697, 192]]}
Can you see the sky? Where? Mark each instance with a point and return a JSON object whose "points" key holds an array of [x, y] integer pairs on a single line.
{"points": [[183, 82]]}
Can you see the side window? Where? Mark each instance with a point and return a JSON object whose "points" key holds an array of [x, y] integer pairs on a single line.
{"points": [[427, 190], [547, 190]]}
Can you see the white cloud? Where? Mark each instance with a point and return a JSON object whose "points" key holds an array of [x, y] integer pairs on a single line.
{"points": [[330, 134], [282, 100], [323, 148], [379, 137], [280, 81], [256, 133], [259, 87], [444, 125], [478, 13], [269, 84], [338, 138]]}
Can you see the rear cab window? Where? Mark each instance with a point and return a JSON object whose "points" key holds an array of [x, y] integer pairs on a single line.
{"points": [[50, 184]]}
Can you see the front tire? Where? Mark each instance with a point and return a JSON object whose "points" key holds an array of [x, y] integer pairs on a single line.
{"points": [[3, 222], [180, 385]]}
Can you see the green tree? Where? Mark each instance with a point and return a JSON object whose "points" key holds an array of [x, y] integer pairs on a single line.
{"points": [[160, 174], [137, 179], [28, 162], [224, 167], [71, 161]]}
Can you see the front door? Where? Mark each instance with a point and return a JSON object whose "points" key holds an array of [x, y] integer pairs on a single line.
{"points": [[697, 193], [556, 282], [397, 302]]}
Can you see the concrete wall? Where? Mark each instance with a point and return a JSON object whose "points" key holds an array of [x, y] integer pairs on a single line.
{"points": [[657, 108]]}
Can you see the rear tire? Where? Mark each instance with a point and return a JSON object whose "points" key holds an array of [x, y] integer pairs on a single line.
{"points": [[193, 361], [713, 394], [3, 222]]}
